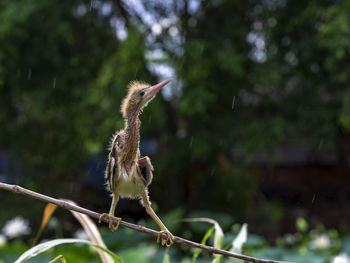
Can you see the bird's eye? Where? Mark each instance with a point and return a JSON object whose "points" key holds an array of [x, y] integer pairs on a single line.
{"points": [[142, 92]]}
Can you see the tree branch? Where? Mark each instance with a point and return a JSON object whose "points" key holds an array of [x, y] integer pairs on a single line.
{"points": [[20, 190]]}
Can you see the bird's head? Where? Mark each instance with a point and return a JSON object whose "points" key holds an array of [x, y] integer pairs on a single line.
{"points": [[139, 95]]}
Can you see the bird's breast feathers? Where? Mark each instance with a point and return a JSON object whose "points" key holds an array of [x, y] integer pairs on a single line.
{"points": [[129, 183]]}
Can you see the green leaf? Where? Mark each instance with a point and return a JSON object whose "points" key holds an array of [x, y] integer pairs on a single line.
{"points": [[59, 257], [204, 240], [137, 254], [38, 249], [166, 258], [218, 234], [92, 231], [218, 239]]}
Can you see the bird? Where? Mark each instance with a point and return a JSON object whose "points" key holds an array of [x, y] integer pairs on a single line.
{"points": [[128, 174]]}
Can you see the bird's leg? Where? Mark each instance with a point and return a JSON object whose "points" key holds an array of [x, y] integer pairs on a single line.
{"points": [[112, 225], [169, 241]]}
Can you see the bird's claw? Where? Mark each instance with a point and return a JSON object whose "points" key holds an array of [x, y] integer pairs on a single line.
{"points": [[169, 241], [113, 226]]}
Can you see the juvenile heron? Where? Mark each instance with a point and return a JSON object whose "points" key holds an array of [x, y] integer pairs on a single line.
{"points": [[127, 174]]}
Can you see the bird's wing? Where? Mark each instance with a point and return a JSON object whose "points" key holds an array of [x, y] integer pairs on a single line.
{"points": [[113, 166], [146, 169]]}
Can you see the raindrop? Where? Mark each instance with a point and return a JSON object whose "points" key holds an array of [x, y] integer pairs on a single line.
{"points": [[191, 141], [18, 75], [320, 144], [29, 74], [136, 71], [71, 188], [212, 172], [91, 4], [54, 83], [313, 199], [201, 48], [233, 101], [149, 118]]}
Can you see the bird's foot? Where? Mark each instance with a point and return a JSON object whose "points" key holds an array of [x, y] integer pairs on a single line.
{"points": [[169, 241], [114, 222]]}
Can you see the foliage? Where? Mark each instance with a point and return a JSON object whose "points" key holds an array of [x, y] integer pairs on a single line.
{"points": [[39, 249], [314, 245]]}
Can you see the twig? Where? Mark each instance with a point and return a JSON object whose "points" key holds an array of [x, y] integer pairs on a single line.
{"points": [[20, 190]]}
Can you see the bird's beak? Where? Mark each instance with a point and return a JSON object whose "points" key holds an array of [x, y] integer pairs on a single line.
{"points": [[151, 91]]}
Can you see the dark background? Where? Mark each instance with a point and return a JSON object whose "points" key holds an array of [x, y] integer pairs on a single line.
{"points": [[255, 125]]}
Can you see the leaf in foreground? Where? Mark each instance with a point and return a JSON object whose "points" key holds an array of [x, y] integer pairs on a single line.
{"points": [[38, 249], [166, 258], [59, 257], [92, 231], [218, 234], [238, 242], [48, 211], [204, 240]]}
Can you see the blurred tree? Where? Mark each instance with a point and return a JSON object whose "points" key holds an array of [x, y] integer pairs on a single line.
{"points": [[62, 74], [254, 75], [212, 64], [250, 75]]}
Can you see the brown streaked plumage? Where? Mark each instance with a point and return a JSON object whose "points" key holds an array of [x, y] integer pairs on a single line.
{"points": [[128, 175]]}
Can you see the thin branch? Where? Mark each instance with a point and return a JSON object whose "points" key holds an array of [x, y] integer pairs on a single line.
{"points": [[20, 190]]}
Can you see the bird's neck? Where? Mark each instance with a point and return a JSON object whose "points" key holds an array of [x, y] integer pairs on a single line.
{"points": [[132, 128]]}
